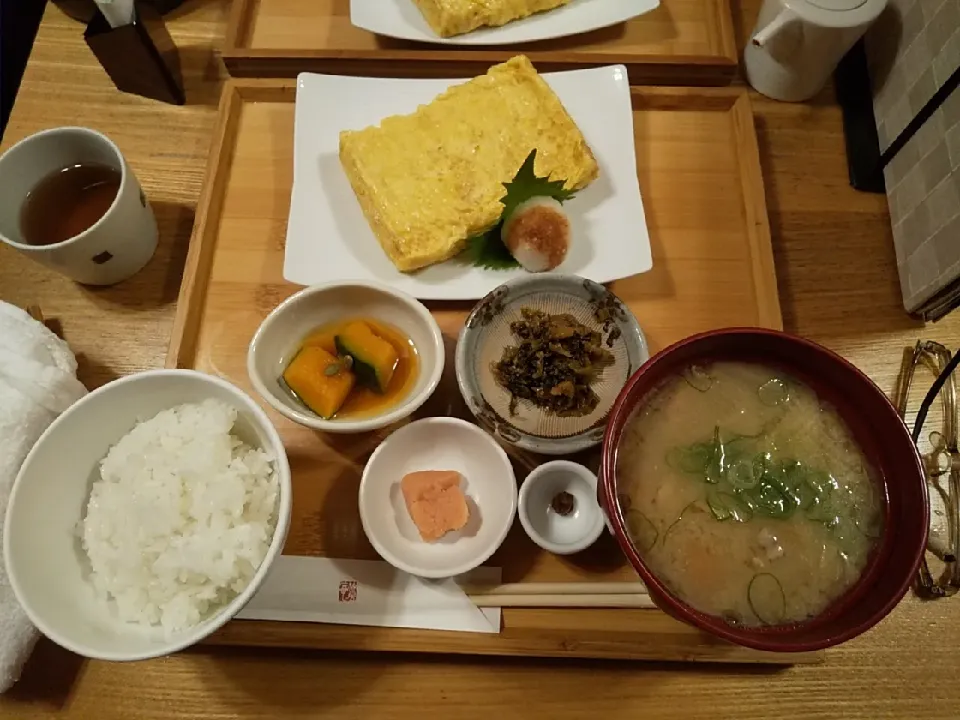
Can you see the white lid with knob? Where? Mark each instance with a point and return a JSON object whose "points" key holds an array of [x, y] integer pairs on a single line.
{"points": [[836, 13]]}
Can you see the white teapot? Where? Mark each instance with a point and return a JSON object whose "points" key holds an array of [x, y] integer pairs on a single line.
{"points": [[797, 44]]}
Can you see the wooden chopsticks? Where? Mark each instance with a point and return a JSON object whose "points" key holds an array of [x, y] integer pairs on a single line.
{"points": [[562, 595]]}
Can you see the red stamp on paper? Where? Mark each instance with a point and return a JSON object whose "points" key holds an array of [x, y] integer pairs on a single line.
{"points": [[348, 591]]}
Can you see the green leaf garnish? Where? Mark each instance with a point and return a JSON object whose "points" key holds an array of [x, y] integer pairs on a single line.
{"points": [[487, 249], [526, 186]]}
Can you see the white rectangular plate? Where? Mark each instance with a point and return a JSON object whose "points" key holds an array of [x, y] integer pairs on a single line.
{"points": [[401, 19], [328, 237]]}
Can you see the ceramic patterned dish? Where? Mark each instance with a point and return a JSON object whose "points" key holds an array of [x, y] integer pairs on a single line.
{"points": [[487, 332]]}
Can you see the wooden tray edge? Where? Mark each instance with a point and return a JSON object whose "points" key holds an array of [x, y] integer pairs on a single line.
{"points": [[758, 222], [200, 253], [542, 644], [694, 73], [718, 68]]}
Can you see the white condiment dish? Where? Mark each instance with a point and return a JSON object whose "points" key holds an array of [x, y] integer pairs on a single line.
{"points": [[280, 335], [554, 532], [488, 481], [48, 568]]}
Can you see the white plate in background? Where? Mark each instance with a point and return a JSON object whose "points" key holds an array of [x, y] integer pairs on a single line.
{"points": [[328, 238], [401, 19]]}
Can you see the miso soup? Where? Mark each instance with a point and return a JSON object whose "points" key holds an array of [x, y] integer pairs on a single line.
{"points": [[747, 495]]}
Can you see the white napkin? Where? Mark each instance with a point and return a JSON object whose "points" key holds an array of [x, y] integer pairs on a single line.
{"points": [[368, 592], [37, 382]]}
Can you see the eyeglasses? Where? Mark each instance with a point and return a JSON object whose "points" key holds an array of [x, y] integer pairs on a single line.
{"points": [[941, 461]]}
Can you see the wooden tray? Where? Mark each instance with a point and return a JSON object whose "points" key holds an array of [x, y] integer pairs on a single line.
{"points": [[683, 42], [700, 176]]}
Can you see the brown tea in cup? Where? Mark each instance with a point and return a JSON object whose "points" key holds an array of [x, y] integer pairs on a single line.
{"points": [[68, 201]]}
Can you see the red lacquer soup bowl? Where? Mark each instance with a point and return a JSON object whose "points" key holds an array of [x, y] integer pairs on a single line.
{"points": [[877, 429]]}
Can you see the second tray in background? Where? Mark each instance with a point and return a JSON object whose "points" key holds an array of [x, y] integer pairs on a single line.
{"points": [[682, 42]]}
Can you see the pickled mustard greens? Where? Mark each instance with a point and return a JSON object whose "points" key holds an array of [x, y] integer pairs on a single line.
{"points": [[747, 495], [553, 364]]}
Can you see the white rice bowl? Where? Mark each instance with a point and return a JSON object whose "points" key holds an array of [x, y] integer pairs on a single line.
{"points": [[181, 517]]}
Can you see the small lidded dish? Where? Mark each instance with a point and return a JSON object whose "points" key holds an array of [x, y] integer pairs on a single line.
{"points": [[558, 507], [541, 360], [347, 357]]}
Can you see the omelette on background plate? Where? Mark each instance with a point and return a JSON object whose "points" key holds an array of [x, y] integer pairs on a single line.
{"points": [[456, 17], [428, 181]]}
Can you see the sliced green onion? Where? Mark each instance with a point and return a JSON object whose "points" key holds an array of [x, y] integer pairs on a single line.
{"points": [[718, 462], [727, 506], [823, 482], [760, 463], [772, 501], [747, 500], [689, 507], [743, 512], [846, 534], [698, 378], [711, 459], [792, 472], [744, 474], [775, 474], [765, 592], [822, 509], [773, 392], [719, 506], [642, 531], [694, 459], [805, 494]]}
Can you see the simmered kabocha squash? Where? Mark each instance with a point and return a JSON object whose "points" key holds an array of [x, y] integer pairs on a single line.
{"points": [[374, 359], [320, 379], [325, 339]]}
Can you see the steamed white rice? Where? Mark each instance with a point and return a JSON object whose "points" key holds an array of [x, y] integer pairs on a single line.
{"points": [[181, 517]]}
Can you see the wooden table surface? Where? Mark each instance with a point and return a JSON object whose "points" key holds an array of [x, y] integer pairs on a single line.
{"points": [[838, 285]]}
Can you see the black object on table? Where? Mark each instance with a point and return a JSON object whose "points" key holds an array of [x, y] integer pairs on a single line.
{"points": [[140, 57], [852, 83], [19, 20], [864, 158]]}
